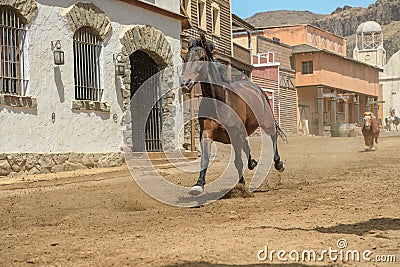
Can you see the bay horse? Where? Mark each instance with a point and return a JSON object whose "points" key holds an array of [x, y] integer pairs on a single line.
{"points": [[246, 102], [370, 130]]}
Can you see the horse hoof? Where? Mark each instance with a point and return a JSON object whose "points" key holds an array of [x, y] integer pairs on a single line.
{"points": [[242, 181], [373, 149], [252, 164], [280, 167], [196, 190]]}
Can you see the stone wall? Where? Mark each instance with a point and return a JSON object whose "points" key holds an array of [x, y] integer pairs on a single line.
{"points": [[155, 44], [48, 117], [27, 8], [16, 164]]}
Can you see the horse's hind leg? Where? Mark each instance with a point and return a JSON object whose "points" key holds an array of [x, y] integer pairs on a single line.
{"points": [[251, 163], [278, 164]]}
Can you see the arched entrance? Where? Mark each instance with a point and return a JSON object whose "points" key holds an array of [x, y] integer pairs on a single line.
{"points": [[142, 68]]}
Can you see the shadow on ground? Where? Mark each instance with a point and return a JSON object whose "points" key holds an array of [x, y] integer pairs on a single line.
{"points": [[207, 264], [361, 228]]}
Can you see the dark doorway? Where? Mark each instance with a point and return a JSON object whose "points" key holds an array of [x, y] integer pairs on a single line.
{"points": [[142, 68]]}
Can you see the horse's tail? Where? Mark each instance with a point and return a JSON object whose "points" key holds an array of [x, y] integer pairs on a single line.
{"points": [[279, 130]]}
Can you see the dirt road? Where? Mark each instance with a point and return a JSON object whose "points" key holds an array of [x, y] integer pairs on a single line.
{"points": [[330, 190]]}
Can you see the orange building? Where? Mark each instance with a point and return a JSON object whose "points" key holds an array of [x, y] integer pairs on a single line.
{"points": [[331, 88]]}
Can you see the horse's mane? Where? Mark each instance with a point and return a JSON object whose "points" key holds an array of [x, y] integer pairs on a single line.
{"points": [[207, 45]]}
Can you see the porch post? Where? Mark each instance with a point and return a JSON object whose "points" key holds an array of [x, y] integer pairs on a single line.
{"points": [[346, 111], [357, 107], [367, 105], [320, 111], [376, 107], [333, 108]]}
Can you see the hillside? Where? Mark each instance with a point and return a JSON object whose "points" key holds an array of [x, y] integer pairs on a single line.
{"points": [[343, 21], [282, 17]]}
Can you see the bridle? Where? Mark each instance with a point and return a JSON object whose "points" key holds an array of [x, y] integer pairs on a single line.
{"points": [[187, 88], [207, 57]]}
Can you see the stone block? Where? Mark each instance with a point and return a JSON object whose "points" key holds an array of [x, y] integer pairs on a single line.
{"points": [[60, 159], [75, 158], [69, 166], [110, 160], [88, 160], [31, 161], [5, 168], [46, 161], [17, 161], [57, 168], [33, 170]]}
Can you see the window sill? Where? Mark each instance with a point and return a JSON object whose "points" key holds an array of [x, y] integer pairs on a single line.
{"points": [[202, 29], [18, 101], [90, 105]]}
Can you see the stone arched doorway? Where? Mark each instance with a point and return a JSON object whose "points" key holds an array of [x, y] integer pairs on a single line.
{"points": [[148, 40], [144, 67]]}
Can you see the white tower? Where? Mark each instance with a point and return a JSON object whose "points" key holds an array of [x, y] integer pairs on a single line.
{"points": [[369, 44]]}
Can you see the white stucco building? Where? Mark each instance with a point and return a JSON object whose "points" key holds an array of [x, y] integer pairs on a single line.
{"points": [[369, 44], [70, 116], [390, 79]]}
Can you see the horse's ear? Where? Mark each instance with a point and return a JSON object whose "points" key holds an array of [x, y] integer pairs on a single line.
{"points": [[203, 40]]}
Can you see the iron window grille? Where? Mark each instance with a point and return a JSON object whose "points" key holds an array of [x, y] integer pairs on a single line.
{"points": [[307, 67], [12, 42], [87, 51]]}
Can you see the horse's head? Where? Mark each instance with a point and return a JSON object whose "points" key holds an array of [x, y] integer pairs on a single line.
{"points": [[195, 67], [368, 117]]}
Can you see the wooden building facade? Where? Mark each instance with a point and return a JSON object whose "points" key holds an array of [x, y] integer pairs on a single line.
{"points": [[274, 73], [212, 18]]}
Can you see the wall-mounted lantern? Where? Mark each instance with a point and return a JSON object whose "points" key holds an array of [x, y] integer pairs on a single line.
{"points": [[119, 66], [58, 52]]}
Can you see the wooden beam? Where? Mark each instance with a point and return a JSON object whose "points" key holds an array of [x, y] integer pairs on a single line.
{"points": [[155, 9]]}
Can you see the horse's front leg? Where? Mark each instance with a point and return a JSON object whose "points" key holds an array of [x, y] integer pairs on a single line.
{"points": [[279, 166], [238, 145], [205, 142]]}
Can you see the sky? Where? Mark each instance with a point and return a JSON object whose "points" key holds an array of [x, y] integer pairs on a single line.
{"points": [[247, 8]]}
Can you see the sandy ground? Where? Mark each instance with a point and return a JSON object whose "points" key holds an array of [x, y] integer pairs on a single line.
{"points": [[331, 190]]}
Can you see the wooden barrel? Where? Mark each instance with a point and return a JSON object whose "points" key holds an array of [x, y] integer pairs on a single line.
{"points": [[343, 130], [335, 129]]}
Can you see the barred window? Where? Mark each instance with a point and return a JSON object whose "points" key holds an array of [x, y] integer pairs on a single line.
{"points": [[12, 40], [87, 49], [307, 67]]}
